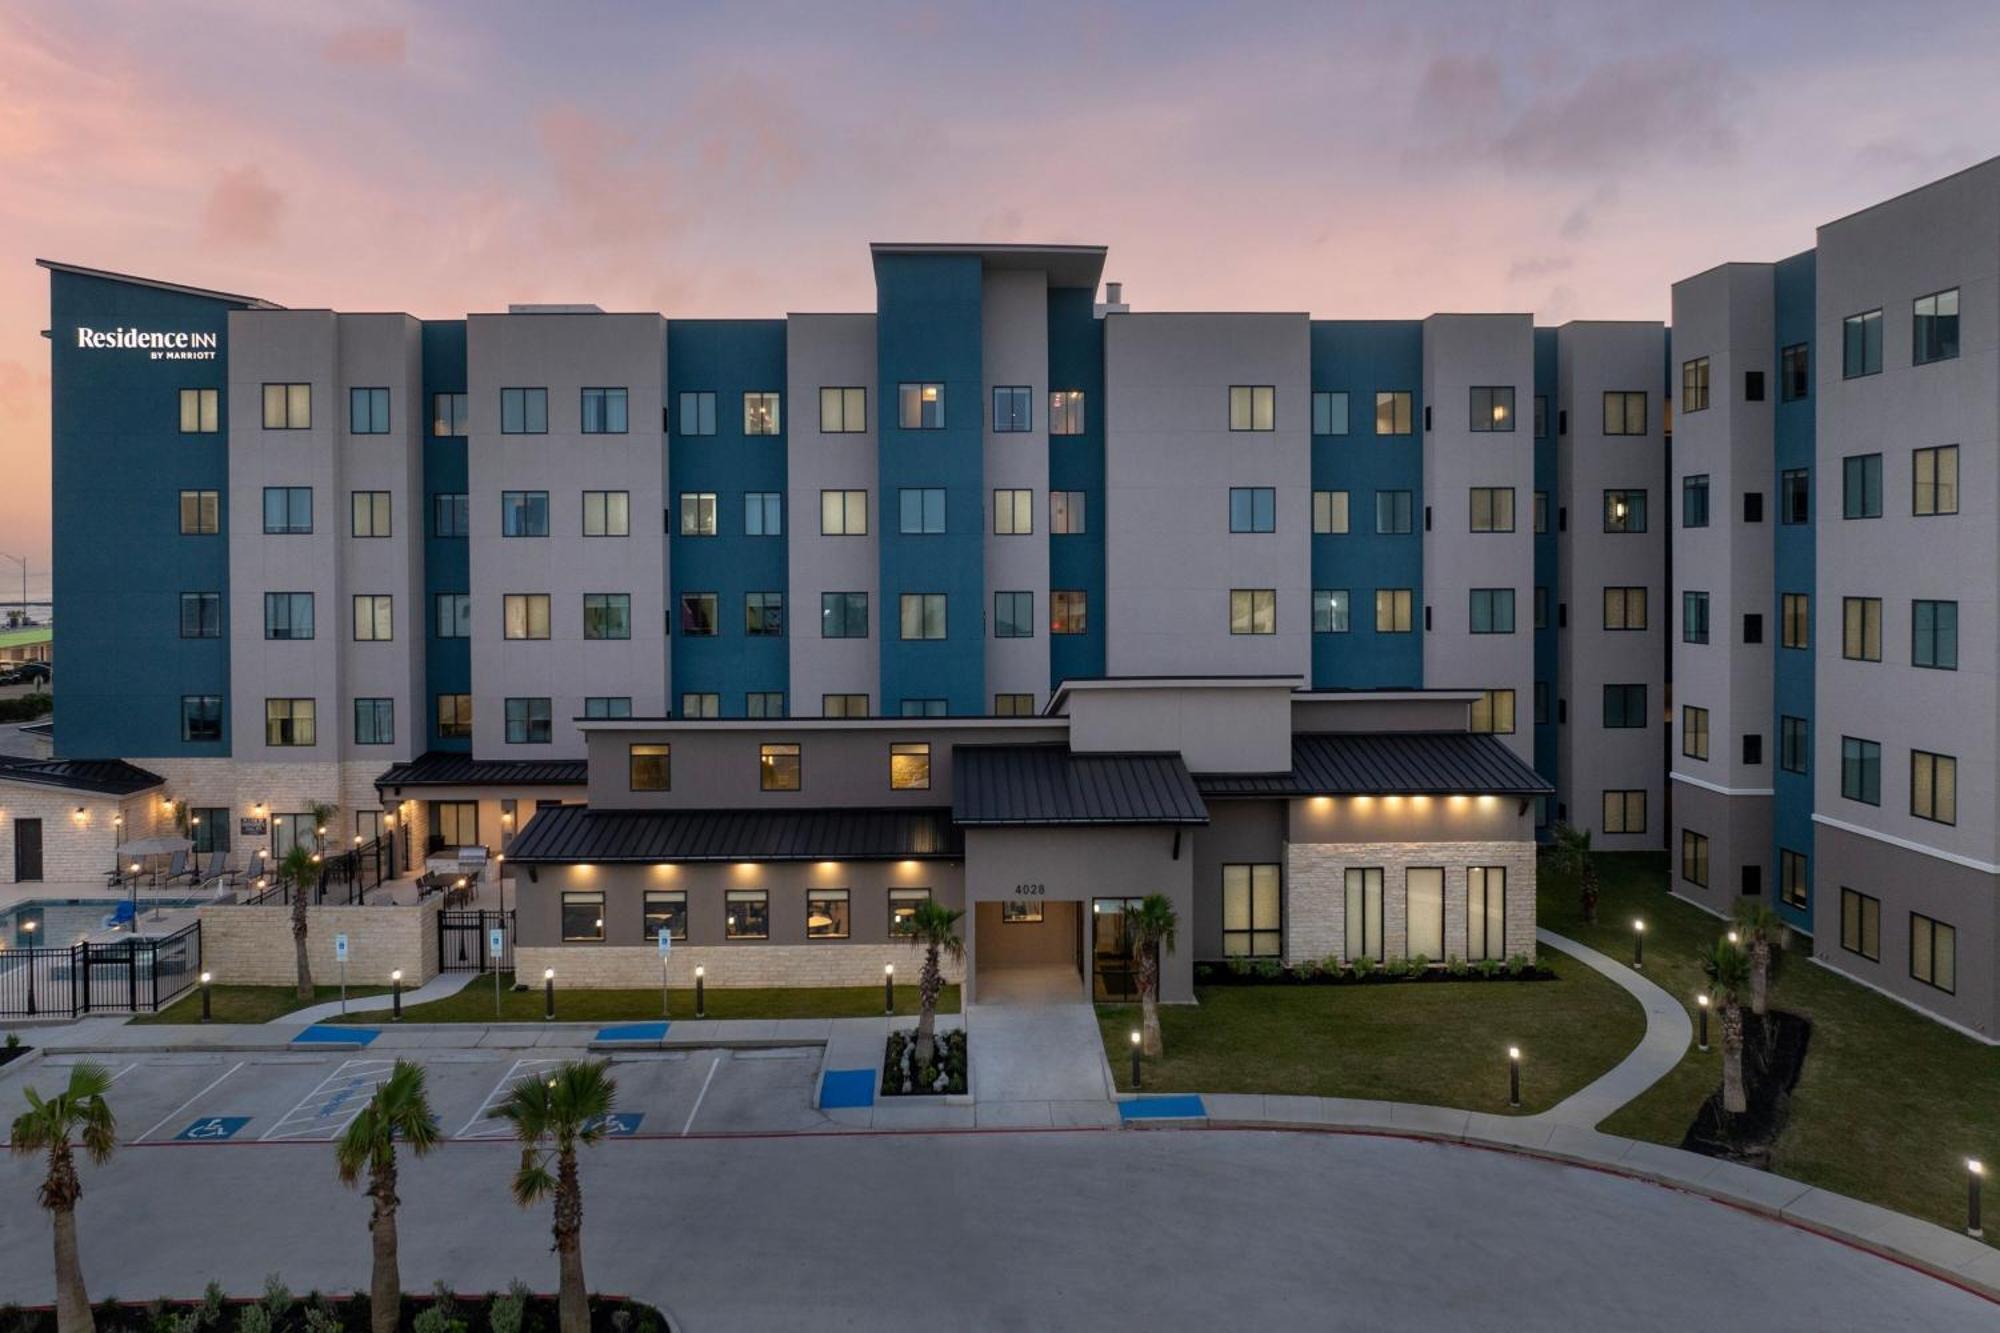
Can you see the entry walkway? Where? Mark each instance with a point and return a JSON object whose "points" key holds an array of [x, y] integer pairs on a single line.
{"points": [[437, 988], [1666, 1041]]}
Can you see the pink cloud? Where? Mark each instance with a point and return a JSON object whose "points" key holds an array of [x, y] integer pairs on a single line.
{"points": [[385, 45], [242, 209]]}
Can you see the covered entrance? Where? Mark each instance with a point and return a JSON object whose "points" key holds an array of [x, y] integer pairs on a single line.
{"points": [[1114, 975], [1028, 951]]}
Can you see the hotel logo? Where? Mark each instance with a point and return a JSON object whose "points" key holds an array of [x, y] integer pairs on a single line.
{"points": [[170, 345]]}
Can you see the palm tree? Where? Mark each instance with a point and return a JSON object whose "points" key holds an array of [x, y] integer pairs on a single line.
{"points": [[1153, 924], [400, 1109], [322, 817], [551, 1115], [78, 1111], [934, 929], [1761, 929], [300, 868], [1572, 857], [1729, 969]]}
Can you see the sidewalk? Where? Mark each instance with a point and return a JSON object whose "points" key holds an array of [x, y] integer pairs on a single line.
{"points": [[437, 988], [1668, 1033]]}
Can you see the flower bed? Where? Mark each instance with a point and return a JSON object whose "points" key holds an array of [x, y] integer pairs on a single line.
{"points": [[278, 1311], [1364, 972], [902, 1076]]}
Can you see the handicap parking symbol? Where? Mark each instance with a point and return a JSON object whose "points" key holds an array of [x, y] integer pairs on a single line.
{"points": [[621, 1124], [212, 1129]]}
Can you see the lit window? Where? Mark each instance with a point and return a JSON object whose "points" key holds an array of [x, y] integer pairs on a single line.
{"points": [[1253, 611], [525, 615], [1934, 328], [843, 410], [288, 407], [920, 406], [1329, 513], [910, 766], [1392, 412], [1935, 482], [778, 767], [201, 411], [650, 767], [843, 513], [760, 413], [1253, 407], [1492, 408], [1066, 412]]}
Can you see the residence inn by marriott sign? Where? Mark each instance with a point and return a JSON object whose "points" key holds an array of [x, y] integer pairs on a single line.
{"points": [[172, 345]]}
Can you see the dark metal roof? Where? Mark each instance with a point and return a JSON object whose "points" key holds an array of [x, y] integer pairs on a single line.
{"points": [[439, 768], [1389, 763], [104, 777], [1048, 784], [576, 833]]}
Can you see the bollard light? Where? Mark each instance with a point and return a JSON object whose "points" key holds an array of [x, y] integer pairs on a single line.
{"points": [[889, 988], [206, 977], [548, 992], [396, 994], [1733, 938], [1974, 1170], [1136, 1083], [700, 994], [1638, 945], [1701, 1002], [1514, 1077]]}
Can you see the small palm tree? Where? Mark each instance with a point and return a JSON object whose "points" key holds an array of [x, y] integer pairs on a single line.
{"points": [[1728, 967], [1154, 925], [322, 817], [1572, 857], [934, 929], [79, 1111], [400, 1109], [1761, 929], [299, 869], [551, 1115]]}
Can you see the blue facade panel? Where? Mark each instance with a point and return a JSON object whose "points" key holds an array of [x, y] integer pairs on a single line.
{"points": [[119, 463], [447, 558], [729, 358], [1359, 358], [1544, 596], [927, 331], [1076, 463], [1793, 439]]}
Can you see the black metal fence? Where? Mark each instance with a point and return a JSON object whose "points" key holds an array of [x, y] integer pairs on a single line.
{"points": [[139, 974], [464, 946], [343, 879]]}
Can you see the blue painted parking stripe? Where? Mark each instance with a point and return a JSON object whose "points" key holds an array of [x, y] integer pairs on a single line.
{"points": [[1188, 1106], [212, 1129], [846, 1087], [323, 1034], [633, 1032]]}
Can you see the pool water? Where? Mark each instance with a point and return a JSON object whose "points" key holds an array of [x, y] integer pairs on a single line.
{"points": [[61, 922]]}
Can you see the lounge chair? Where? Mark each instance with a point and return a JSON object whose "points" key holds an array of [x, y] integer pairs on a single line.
{"points": [[122, 916], [179, 869], [211, 873]]}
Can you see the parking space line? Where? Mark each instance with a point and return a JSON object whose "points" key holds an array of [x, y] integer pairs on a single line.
{"points": [[169, 1116], [123, 1072], [499, 1128], [329, 1108], [696, 1109]]}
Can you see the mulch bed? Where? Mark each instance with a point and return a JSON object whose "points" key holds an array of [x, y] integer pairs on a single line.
{"points": [[9, 1054], [1774, 1053]]}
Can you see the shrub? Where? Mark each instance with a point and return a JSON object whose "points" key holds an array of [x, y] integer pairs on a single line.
{"points": [[1487, 968], [1396, 969], [507, 1314], [1419, 965], [1363, 968], [1307, 971], [1518, 965], [1269, 969], [1455, 965]]}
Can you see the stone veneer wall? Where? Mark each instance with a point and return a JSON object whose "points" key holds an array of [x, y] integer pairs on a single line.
{"points": [[252, 946], [600, 967], [75, 850], [1316, 889]]}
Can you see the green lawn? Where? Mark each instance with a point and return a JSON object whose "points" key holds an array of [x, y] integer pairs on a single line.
{"points": [[1442, 1043], [474, 1004], [1890, 1104], [249, 1004]]}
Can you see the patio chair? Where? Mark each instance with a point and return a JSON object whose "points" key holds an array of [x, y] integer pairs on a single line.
{"points": [[211, 873], [178, 869]]}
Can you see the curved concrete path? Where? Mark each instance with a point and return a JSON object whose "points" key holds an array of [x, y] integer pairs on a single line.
{"points": [[1668, 1033], [437, 988]]}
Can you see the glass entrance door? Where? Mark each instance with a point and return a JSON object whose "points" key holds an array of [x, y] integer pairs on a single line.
{"points": [[1113, 976]]}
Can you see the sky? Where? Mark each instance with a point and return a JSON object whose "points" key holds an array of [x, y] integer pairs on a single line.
{"points": [[1353, 161]]}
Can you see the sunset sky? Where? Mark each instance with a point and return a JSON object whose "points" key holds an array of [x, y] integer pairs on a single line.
{"points": [[710, 159]]}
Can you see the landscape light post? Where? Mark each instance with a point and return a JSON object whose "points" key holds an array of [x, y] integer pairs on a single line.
{"points": [[206, 977], [396, 994], [1701, 1002], [889, 989], [1136, 1084], [700, 998], [548, 993], [1514, 1077], [1974, 1169], [1638, 945]]}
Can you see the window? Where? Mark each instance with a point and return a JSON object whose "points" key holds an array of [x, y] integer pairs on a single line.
{"points": [[843, 513], [1933, 328], [1694, 731], [1492, 509], [1861, 345], [760, 413], [1013, 705], [1624, 608], [454, 716], [1624, 511], [650, 767], [1694, 384], [288, 407], [1253, 611], [607, 615], [1492, 610], [1694, 857], [607, 705], [201, 411], [1485, 912], [922, 510], [1793, 884], [528, 721], [698, 412], [1066, 412], [843, 705], [910, 766], [368, 411], [764, 615], [450, 514], [1330, 611], [1694, 501], [1253, 407], [903, 906], [1423, 912], [1753, 628], [763, 514], [1066, 513], [843, 615], [374, 620], [607, 514], [1069, 611], [700, 616], [1753, 750], [666, 909], [1363, 894], [701, 705], [1492, 407], [924, 707], [524, 513], [1934, 786], [1624, 706], [1625, 811], [1753, 386], [288, 722], [778, 767], [208, 829], [1934, 488], [1861, 629], [1861, 924], [1694, 617], [1861, 770], [843, 410], [1795, 610], [1392, 511], [288, 615], [1013, 513], [1013, 409], [374, 721], [1794, 496], [1251, 907], [1392, 610], [1329, 413], [698, 514], [583, 918], [201, 513], [1933, 952], [1013, 615], [369, 514], [920, 406], [525, 615], [288, 509], [201, 717], [456, 822], [1253, 509], [453, 619], [1793, 748], [604, 412], [1794, 373], [1624, 412], [1934, 632], [1493, 712], [1861, 486], [1392, 412], [922, 615], [450, 415], [201, 615], [826, 914], [524, 411], [1329, 512]]}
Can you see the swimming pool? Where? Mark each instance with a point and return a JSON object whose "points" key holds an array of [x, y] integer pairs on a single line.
{"points": [[61, 922]]}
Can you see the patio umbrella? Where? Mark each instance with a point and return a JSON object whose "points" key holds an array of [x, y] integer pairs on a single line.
{"points": [[148, 847]]}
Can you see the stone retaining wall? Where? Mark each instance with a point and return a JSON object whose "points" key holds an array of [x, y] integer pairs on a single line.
{"points": [[252, 946], [610, 967]]}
